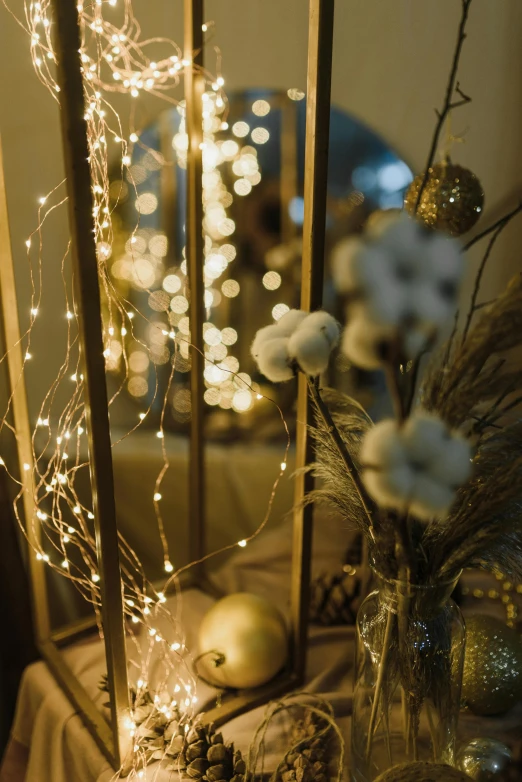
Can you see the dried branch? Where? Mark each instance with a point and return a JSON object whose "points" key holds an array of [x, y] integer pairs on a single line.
{"points": [[491, 228], [478, 278], [448, 105]]}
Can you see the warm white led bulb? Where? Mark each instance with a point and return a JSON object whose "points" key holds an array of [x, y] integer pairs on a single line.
{"points": [[169, 567]]}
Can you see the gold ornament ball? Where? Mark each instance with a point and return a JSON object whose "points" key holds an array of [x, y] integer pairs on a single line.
{"points": [[423, 772], [243, 642], [452, 200], [483, 759], [492, 680]]}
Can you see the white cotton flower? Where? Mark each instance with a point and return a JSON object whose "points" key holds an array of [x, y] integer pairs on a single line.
{"points": [[456, 466], [264, 335], [414, 342], [430, 499], [311, 350], [444, 259], [307, 338], [416, 467], [404, 238], [365, 344], [406, 277], [383, 445], [274, 361], [324, 322], [288, 323], [425, 437], [343, 255]]}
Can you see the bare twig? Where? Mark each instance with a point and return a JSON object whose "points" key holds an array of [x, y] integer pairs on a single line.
{"points": [[478, 278], [448, 105], [501, 222]]}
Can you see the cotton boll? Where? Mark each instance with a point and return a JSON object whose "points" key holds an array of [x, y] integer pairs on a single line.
{"points": [[382, 445], [382, 490], [264, 335], [414, 341], [387, 301], [444, 259], [288, 323], [425, 438], [273, 360], [323, 322], [431, 499], [311, 350], [364, 343], [430, 306], [405, 238], [455, 467], [343, 268], [390, 488]]}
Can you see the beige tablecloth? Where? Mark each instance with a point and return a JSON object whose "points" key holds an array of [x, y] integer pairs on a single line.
{"points": [[60, 749]]}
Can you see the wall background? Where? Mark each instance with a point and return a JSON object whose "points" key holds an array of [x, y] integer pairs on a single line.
{"points": [[390, 68]]}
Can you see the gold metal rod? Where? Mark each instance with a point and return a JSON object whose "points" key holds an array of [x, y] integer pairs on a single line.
{"points": [[320, 45], [85, 268], [194, 88], [13, 344]]}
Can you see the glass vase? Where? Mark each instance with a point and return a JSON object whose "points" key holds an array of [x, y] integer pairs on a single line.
{"points": [[409, 657]]}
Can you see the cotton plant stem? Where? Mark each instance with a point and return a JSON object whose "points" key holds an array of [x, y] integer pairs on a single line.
{"points": [[379, 683], [353, 472]]}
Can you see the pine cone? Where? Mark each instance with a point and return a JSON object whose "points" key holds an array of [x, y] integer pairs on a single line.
{"points": [[335, 599], [309, 762], [203, 755]]}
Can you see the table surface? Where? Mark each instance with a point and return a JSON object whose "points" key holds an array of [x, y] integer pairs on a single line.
{"points": [[50, 743]]}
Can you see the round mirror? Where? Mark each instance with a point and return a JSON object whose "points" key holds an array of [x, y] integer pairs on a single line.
{"points": [[253, 178]]}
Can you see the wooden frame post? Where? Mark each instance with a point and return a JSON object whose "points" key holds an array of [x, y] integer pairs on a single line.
{"points": [[320, 47], [194, 88], [85, 269]]}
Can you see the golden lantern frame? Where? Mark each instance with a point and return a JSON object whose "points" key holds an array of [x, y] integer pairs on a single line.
{"points": [[113, 739]]}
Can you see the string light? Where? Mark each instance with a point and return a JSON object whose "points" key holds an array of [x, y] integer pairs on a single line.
{"points": [[107, 52]]}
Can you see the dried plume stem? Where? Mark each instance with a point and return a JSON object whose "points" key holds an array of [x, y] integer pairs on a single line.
{"points": [[353, 472]]}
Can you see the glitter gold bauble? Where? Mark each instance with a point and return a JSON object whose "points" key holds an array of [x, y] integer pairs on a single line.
{"points": [[483, 759], [423, 772], [492, 680], [452, 200], [243, 642]]}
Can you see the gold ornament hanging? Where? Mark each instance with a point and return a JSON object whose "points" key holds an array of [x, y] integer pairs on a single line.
{"points": [[451, 201], [423, 772], [492, 680]]}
